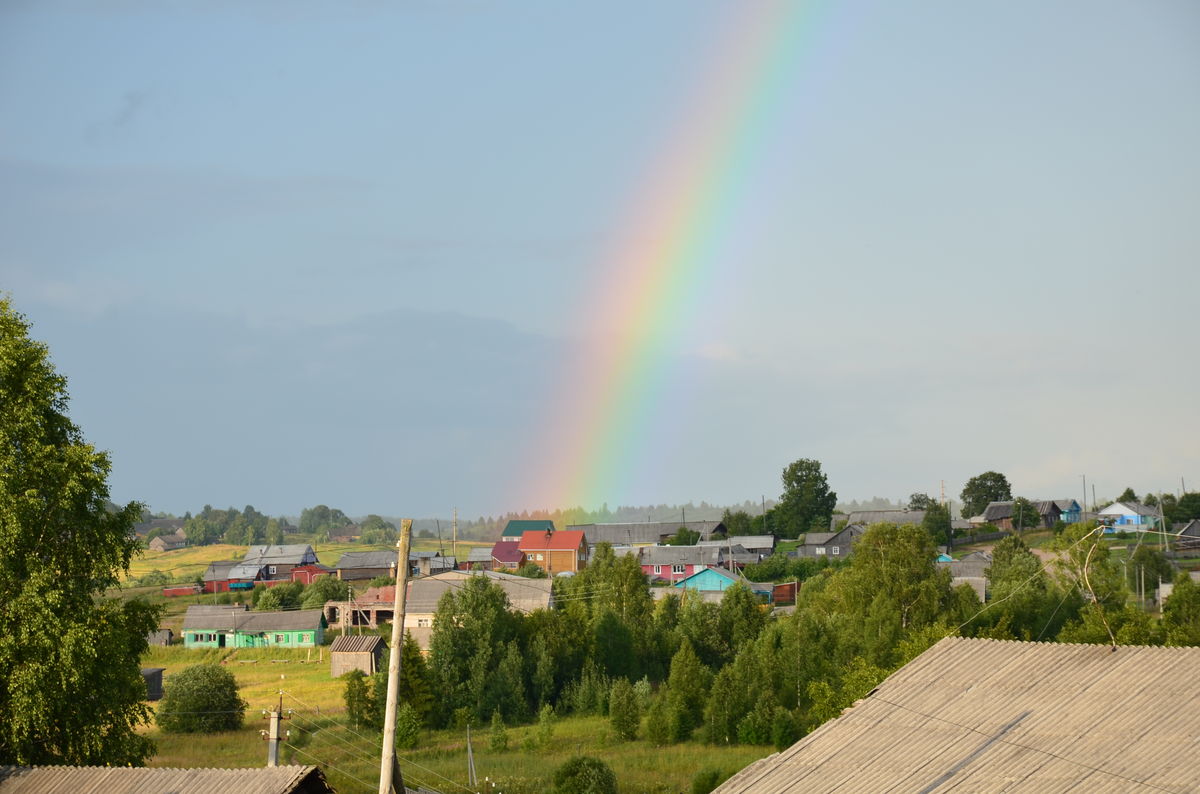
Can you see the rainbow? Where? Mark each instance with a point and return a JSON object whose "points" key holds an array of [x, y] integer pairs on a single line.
{"points": [[664, 259]]}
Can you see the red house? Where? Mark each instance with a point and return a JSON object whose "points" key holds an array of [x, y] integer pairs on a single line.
{"points": [[555, 552], [307, 574]]}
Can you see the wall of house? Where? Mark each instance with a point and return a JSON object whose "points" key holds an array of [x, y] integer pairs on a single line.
{"points": [[556, 561], [210, 638]]}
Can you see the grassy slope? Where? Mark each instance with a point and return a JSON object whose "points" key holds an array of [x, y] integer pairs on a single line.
{"points": [[320, 735]]}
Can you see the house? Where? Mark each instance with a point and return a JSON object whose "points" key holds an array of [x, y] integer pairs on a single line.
{"points": [[1189, 530], [1050, 512], [216, 577], [233, 626], [647, 533], [166, 543], [506, 555], [166, 526], [762, 545], [516, 528], [1129, 515], [1069, 511], [478, 555], [713, 582], [307, 574], [377, 604], [351, 652], [153, 678], [143, 780], [734, 552], [869, 517], [993, 715], [361, 566], [524, 595], [278, 561], [556, 552], [429, 563], [834, 545], [672, 563], [971, 570]]}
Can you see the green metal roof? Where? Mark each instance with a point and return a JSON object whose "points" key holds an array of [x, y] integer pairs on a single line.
{"points": [[518, 527]]}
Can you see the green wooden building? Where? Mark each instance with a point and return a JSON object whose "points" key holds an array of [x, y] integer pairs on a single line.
{"points": [[234, 626]]}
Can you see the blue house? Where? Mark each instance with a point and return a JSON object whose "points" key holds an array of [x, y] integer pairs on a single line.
{"points": [[715, 580]]}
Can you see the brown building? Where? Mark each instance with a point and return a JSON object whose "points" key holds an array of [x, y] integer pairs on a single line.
{"points": [[350, 652], [556, 552]]}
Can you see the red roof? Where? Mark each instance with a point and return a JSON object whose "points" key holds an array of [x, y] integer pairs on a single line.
{"points": [[507, 551], [564, 540]]}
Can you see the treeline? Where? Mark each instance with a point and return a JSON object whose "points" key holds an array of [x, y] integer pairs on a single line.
{"points": [[728, 672], [490, 527], [244, 527]]}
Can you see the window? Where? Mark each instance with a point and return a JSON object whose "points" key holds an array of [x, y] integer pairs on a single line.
{"points": [[280, 639], [271, 570], [820, 550], [539, 556], [658, 569], [836, 551], [678, 568], [424, 622]]}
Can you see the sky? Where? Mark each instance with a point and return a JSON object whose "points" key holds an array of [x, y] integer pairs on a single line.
{"points": [[401, 257]]}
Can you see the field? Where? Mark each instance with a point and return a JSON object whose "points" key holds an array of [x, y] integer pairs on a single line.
{"points": [[350, 757]]}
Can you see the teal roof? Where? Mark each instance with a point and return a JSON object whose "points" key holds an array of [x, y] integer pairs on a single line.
{"points": [[708, 579], [518, 527]]}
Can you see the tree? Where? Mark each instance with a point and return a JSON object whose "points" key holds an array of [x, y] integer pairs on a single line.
{"points": [[807, 501], [1181, 612], [982, 489], [1127, 496], [937, 523], [624, 712], [202, 698], [408, 726], [360, 708], [498, 735], [737, 522], [584, 774], [920, 501], [71, 691], [322, 590], [687, 690], [684, 537], [1187, 508], [1024, 514]]}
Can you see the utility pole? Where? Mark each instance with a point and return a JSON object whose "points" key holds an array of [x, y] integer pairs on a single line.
{"points": [[1083, 510], [454, 536], [272, 733], [387, 763]]}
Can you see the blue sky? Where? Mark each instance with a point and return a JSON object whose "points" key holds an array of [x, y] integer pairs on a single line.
{"points": [[291, 253]]}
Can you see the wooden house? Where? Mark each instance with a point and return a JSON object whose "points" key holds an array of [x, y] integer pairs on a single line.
{"points": [[506, 555], [556, 552], [362, 566], [645, 533], [233, 626], [166, 543], [277, 562], [516, 529], [351, 652]]}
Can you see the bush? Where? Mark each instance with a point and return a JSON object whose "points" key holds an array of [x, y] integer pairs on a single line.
{"points": [[624, 712], [706, 780], [202, 698], [584, 774], [498, 736], [408, 727]]}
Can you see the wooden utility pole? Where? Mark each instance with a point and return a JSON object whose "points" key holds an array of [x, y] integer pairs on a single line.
{"points": [[387, 764], [272, 733]]}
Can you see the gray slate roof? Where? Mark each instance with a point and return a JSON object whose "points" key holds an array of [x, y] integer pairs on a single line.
{"points": [[642, 531], [354, 643], [291, 554], [218, 571], [367, 559], [868, 517], [683, 555], [230, 619], [152, 780], [524, 595], [991, 715], [818, 538]]}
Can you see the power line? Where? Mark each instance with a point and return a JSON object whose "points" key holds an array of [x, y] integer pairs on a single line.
{"points": [[296, 749]]}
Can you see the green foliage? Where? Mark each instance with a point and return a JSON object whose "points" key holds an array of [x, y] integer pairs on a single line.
{"points": [[322, 590], [658, 722], [980, 490], [408, 726], [1148, 566], [937, 523], [321, 519], [1181, 613], [684, 537], [1025, 514], [71, 691], [545, 726], [1127, 496], [737, 522], [281, 596], [376, 530], [202, 698], [806, 502], [920, 501], [382, 581], [706, 780], [416, 685], [740, 616], [624, 710], [498, 734], [584, 774], [360, 706], [687, 690], [531, 570]]}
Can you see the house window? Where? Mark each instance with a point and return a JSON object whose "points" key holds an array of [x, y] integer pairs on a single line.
{"points": [[836, 551], [658, 569], [820, 549], [424, 622], [677, 568], [539, 556], [271, 570], [280, 639]]}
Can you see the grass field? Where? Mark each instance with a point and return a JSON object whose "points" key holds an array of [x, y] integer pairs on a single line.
{"points": [[350, 757]]}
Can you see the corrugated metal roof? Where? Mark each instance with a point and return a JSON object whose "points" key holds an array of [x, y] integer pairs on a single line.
{"points": [[349, 643], [367, 559], [991, 715], [524, 595], [235, 620], [566, 540], [148, 780]]}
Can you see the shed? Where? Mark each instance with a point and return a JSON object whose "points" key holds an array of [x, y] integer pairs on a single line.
{"points": [[153, 678], [350, 652], [140, 780], [160, 637]]}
